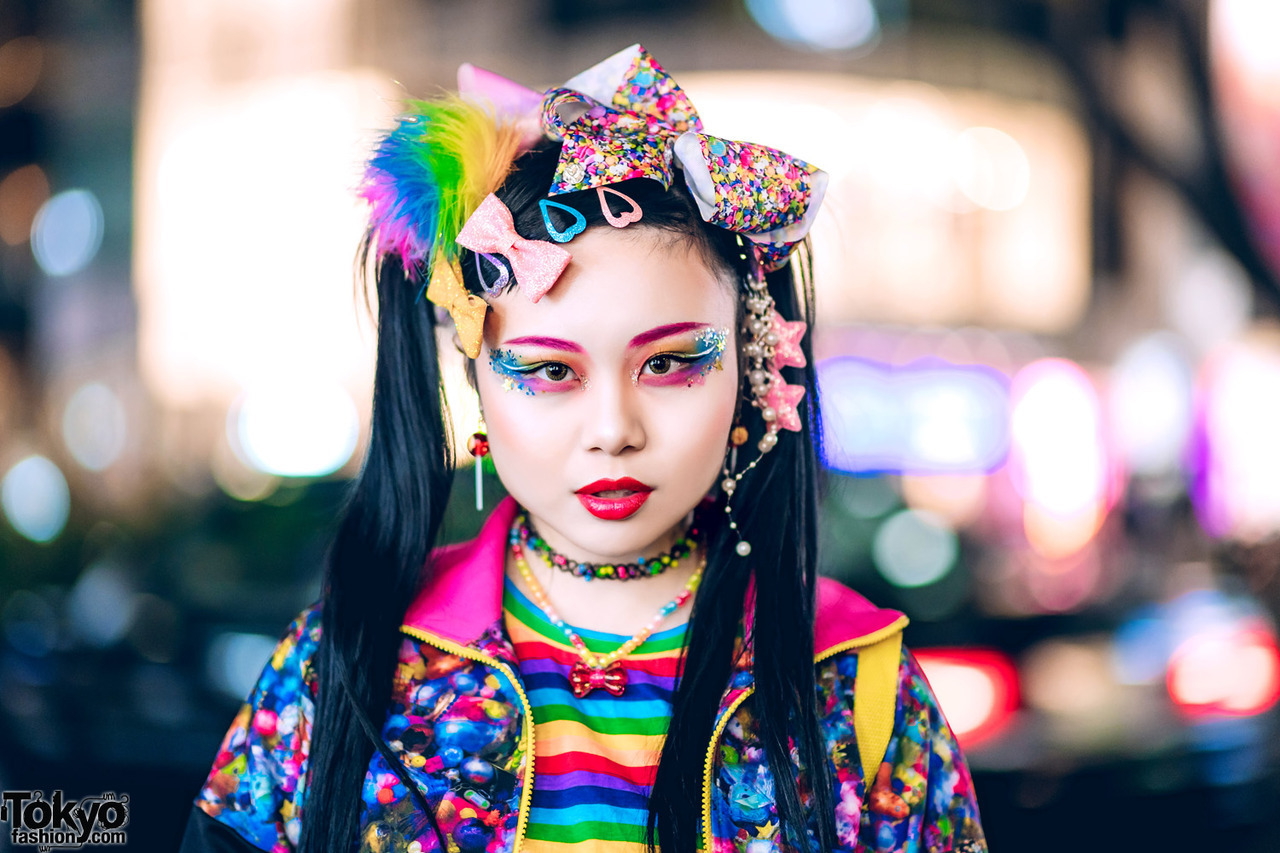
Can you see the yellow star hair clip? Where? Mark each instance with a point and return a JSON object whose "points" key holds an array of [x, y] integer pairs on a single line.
{"points": [[466, 309]]}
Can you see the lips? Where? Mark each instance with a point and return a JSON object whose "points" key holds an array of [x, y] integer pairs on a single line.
{"points": [[614, 500]]}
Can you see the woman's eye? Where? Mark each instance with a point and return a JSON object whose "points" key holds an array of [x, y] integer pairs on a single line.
{"points": [[556, 372], [659, 364]]}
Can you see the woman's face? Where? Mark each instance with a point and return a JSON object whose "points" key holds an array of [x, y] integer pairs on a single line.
{"points": [[609, 402]]}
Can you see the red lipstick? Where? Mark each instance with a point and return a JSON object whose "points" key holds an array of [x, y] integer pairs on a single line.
{"points": [[614, 500]]}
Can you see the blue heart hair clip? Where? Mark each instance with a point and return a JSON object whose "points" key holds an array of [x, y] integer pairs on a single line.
{"points": [[579, 221]]}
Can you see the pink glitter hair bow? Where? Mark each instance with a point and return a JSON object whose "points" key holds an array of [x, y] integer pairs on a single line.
{"points": [[627, 118], [536, 263]]}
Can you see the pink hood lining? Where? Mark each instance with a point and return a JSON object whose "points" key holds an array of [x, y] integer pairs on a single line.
{"points": [[464, 597]]}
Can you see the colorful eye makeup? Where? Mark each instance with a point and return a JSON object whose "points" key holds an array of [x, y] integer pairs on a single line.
{"points": [[689, 367], [528, 376], [680, 364]]}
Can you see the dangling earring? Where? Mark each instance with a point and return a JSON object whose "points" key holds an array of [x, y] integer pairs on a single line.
{"points": [[771, 343], [737, 438], [478, 447]]}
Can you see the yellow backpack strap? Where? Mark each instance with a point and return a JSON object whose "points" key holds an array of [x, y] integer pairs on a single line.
{"points": [[875, 700]]}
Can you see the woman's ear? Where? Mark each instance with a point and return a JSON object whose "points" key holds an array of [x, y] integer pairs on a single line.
{"points": [[470, 370]]}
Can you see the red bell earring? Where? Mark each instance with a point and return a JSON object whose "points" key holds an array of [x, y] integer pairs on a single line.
{"points": [[478, 447]]}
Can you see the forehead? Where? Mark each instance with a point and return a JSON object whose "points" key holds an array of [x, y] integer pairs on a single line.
{"points": [[620, 282]]}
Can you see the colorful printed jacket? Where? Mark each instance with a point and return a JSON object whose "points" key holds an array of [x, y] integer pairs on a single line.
{"points": [[459, 719]]}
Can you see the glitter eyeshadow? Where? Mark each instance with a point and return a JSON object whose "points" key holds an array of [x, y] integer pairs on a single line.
{"points": [[522, 375], [513, 372], [691, 368]]}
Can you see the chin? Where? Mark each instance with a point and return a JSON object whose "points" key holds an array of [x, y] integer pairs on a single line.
{"points": [[622, 539]]}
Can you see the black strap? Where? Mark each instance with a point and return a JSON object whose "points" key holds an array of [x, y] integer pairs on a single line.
{"points": [[209, 835]]}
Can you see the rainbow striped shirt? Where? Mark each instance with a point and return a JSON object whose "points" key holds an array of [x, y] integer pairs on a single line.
{"points": [[594, 757]]}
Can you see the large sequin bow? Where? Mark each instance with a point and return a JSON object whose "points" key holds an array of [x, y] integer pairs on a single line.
{"points": [[536, 263], [583, 679], [466, 309], [626, 118]]}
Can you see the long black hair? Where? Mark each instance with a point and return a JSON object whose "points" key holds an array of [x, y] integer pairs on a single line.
{"points": [[382, 552]]}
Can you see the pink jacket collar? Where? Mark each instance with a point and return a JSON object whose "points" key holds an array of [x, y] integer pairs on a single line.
{"points": [[464, 597]]}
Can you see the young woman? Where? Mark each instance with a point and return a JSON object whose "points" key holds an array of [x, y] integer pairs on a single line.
{"points": [[636, 649]]}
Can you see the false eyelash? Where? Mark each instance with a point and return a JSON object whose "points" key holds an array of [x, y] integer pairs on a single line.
{"points": [[525, 370], [682, 358]]}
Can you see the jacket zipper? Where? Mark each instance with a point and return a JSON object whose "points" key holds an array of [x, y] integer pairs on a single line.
{"points": [[708, 838], [526, 795]]}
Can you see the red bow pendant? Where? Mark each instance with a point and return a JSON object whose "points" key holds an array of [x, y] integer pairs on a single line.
{"points": [[583, 679]]}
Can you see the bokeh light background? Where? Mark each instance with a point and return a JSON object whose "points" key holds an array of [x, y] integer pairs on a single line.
{"points": [[1048, 352]]}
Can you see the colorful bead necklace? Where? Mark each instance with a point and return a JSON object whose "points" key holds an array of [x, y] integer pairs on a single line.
{"points": [[642, 568], [597, 671]]}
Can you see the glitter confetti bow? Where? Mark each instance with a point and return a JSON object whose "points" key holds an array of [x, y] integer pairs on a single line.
{"points": [[466, 309], [536, 264], [626, 118]]}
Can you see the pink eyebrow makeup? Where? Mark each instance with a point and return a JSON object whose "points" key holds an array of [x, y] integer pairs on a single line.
{"points": [[544, 342], [660, 332]]}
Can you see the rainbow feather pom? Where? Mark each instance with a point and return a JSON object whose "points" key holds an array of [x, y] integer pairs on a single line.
{"points": [[430, 172]]}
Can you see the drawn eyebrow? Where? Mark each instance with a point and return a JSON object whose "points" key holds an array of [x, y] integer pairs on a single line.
{"points": [[547, 343], [663, 332]]}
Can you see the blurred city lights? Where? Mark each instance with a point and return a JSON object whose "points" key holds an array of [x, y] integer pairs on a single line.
{"points": [[958, 498], [101, 605], [1236, 492], [1059, 583], [1059, 461], [925, 418], [67, 232], [866, 497], [20, 63], [991, 168], [1141, 648], [22, 192], [239, 479], [914, 548], [30, 623], [94, 426], [1071, 678], [897, 240], [820, 24], [1210, 299], [977, 690], [1225, 673], [285, 222], [235, 660], [304, 429], [909, 143], [1245, 70], [157, 628], [1150, 400], [35, 498], [1249, 28]]}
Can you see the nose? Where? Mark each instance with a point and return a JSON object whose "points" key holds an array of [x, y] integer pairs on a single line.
{"points": [[615, 418]]}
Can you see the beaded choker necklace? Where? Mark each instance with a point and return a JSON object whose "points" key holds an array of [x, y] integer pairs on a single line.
{"points": [[609, 571]]}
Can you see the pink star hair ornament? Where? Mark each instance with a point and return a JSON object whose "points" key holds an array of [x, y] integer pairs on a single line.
{"points": [[784, 399], [787, 350]]}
